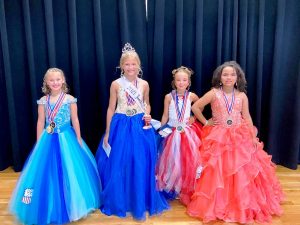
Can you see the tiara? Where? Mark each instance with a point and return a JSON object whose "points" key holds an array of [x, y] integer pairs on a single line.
{"points": [[128, 48]]}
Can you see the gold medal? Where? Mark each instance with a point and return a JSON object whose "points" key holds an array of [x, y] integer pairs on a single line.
{"points": [[49, 129]]}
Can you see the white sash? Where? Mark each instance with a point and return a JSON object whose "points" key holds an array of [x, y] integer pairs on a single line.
{"points": [[132, 91]]}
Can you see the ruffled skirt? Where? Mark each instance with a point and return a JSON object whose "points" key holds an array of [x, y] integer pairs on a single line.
{"points": [[238, 182], [128, 174], [179, 163], [59, 182]]}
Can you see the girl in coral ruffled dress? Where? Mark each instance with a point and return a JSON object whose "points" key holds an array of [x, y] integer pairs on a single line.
{"points": [[238, 181]]}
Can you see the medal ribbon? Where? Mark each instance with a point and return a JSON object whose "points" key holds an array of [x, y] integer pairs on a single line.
{"points": [[52, 112], [133, 92], [180, 113], [229, 107]]}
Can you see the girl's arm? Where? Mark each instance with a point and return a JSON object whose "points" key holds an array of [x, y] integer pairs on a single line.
{"points": [[199, 105], [111, 109], [41, 121], [245, 109], [75, 121], [194, 97], [165, 116], [147, 116]]}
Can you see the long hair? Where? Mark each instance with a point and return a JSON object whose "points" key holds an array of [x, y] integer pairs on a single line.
{"points": [[241, 82], [45, 89]]}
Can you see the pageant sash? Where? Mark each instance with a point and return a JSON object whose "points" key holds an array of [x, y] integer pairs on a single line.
{"points": [[133, 92]]}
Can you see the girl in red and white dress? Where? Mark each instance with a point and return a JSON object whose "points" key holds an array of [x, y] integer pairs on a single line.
{"points": [[179, 161]]}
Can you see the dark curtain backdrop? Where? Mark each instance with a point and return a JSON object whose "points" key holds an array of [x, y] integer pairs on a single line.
{"points": [[263, 36], [85, 37]]}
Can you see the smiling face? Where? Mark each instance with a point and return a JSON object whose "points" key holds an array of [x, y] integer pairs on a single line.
{"points": [[181, 81], [228, 77], [130, 67], [54, 81]]}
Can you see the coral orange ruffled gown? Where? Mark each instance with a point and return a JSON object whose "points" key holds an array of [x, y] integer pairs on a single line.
{"points": [[238, 182]]}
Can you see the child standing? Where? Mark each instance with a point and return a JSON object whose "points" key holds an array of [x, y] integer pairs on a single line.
{"points": [[238, 181], [59, 182], [126, 155], [180, 158]]}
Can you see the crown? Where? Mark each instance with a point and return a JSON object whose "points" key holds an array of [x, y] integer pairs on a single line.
{"points": [[128, 48]]}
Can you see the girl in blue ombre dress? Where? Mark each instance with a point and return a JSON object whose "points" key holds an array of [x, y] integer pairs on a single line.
{"points": [[59, 182], [126, 156]]}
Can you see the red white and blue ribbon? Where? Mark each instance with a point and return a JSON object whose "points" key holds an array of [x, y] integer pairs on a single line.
{"points": [[52, 112], [229, 107], [180, 112]]}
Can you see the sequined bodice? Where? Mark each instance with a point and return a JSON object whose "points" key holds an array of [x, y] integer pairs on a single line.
{"points": [[220, 113], [63, 116], [173, 120], [123, 104]]}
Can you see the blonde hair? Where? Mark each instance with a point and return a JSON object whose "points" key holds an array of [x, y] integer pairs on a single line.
{"points": [[130, 54], [45, 89], [184, 69]]}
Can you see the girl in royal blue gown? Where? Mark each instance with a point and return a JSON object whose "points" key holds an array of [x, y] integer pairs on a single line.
{"points": [[59, 182], [126, 155]]}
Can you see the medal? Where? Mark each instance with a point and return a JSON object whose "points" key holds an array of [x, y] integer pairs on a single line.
{"points": [[52, 124], [180, 128], [180, 112], [229, 122], [51, 113], [229, 108], [50, 129]]}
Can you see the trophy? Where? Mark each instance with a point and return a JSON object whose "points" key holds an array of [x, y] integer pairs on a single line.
{"points": [[147, 124]]}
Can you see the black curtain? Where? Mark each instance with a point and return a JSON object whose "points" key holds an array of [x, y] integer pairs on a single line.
{"points": [[85, 37], [262, 36]]}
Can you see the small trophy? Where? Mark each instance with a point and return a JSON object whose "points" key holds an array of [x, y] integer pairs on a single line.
{"points": [[147, 125]]}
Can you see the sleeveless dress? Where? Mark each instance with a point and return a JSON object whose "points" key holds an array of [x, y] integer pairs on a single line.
{"points": [[59, 182], [179, 163], [238, 181], [128, 172]]}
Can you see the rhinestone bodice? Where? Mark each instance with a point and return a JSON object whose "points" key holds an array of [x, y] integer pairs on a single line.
{"points": [[219, 110]]}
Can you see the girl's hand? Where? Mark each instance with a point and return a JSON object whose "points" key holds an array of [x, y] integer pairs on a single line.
{"points": [[147, 118], [211, 122], [105, 140], [191, 120]]}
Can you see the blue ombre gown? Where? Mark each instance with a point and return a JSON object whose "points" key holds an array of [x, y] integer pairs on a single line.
{"points": [[59, 182], [128, 174]]}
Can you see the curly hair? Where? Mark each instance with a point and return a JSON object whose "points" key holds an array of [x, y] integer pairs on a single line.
{"points": [[184, 69], [45, 89], [241, 82]]}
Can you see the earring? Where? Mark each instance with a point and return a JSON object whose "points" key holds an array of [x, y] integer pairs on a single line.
{"points": [[122, 73], [220, 84], [140, 74]]}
